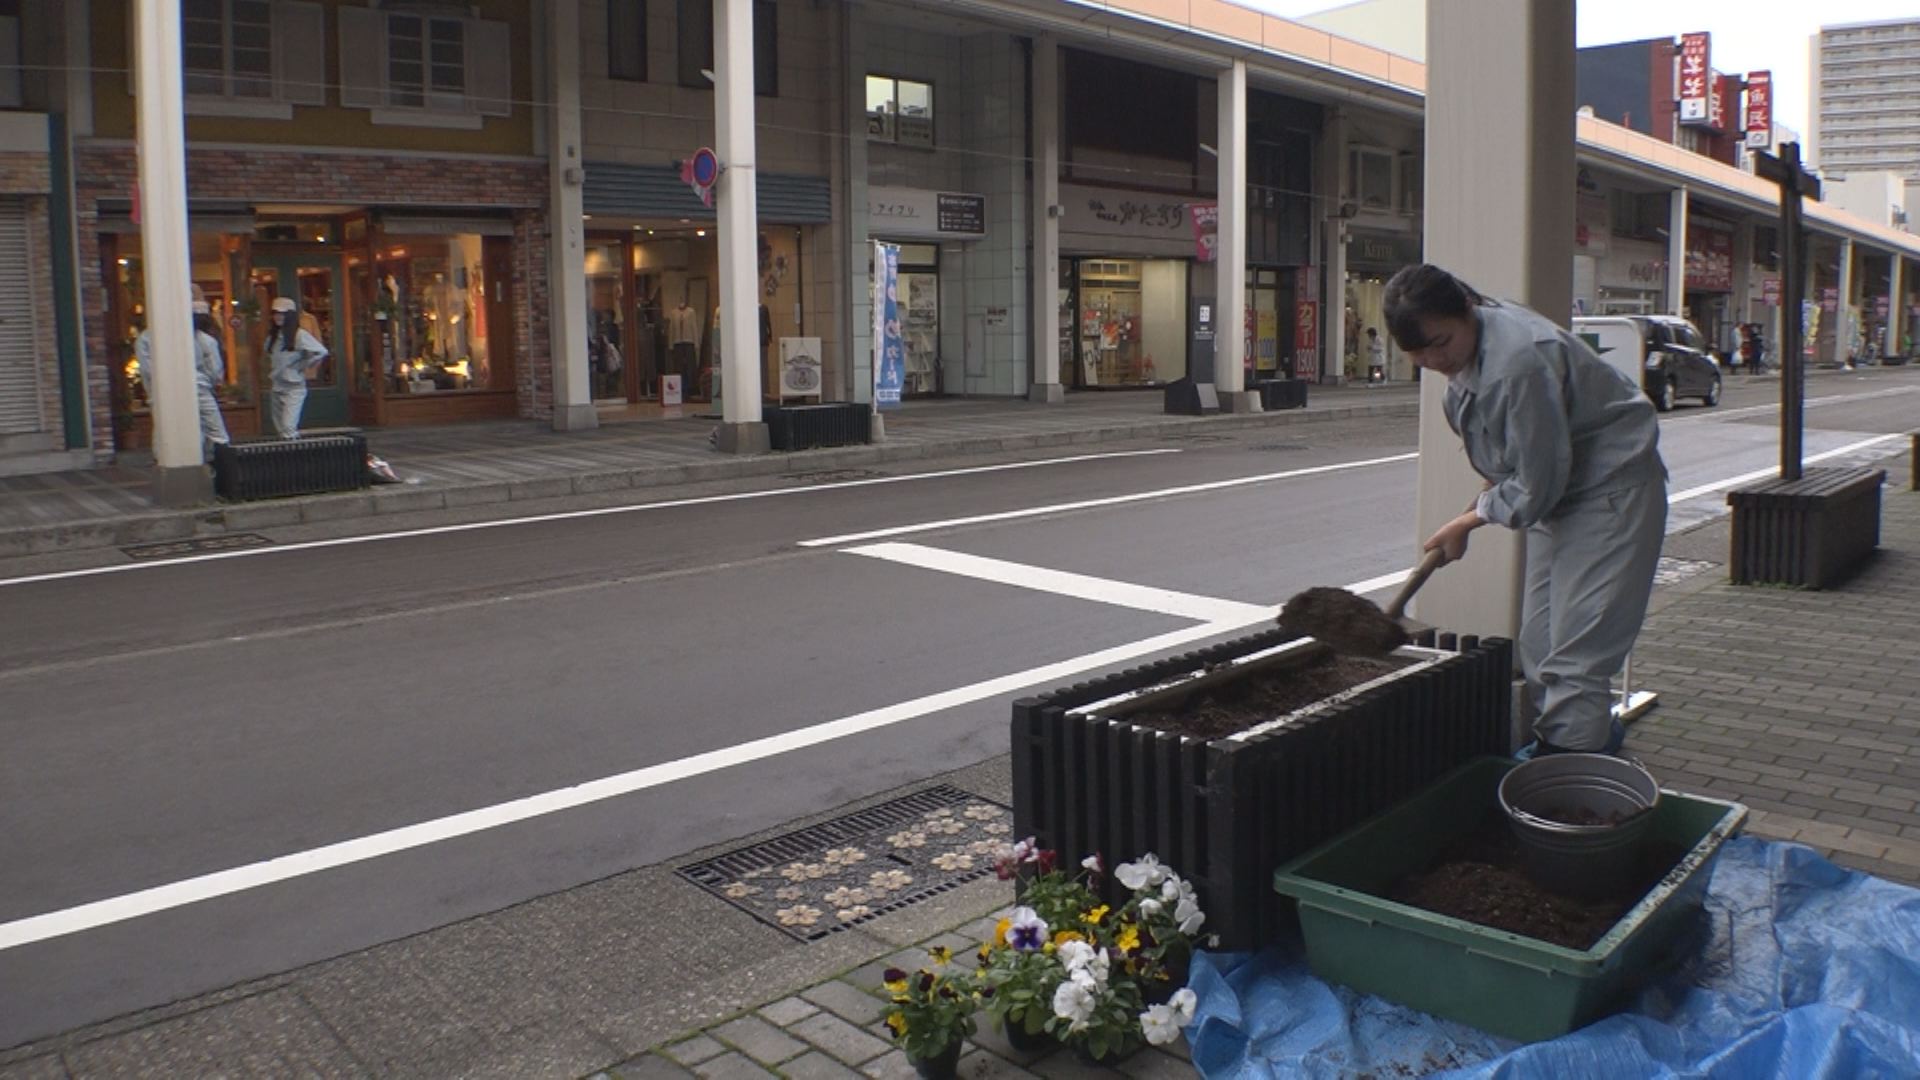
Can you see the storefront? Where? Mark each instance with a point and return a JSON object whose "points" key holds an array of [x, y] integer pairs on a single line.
{"points": [[1709, 280], [927, 226], [1631, 279], [1373, 257], [1128, 277]]}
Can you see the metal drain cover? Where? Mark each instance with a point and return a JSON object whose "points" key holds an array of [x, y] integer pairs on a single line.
{"points": [[1279, 447], [199, 545], [841, 873]]}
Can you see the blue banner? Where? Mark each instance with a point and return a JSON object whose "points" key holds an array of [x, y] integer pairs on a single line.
{"points": [[889, 349]]}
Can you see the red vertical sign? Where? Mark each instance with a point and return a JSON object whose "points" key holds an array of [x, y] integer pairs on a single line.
{"points": [[1306, 338], [1694, 71], [1720, 91], [1760, 109]]}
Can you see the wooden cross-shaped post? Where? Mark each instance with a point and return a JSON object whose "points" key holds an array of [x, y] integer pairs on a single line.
{"points": [[1795, 183]]}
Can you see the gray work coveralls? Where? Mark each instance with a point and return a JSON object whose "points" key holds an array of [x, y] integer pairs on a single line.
{"points": [[209, 372], [1570, 449]]}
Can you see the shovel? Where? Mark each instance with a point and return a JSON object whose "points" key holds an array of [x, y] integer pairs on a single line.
{"points": [[1350, 624]]}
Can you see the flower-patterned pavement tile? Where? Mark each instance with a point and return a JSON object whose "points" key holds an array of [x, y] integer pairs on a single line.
{"points": [[840, 873]]}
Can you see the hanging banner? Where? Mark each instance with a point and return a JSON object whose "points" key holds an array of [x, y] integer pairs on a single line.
{"points": [[1760, 109], [1709, 258], [1306, 338], [889, 351], [1694, 71], [1720, 93], [1206, 231]]}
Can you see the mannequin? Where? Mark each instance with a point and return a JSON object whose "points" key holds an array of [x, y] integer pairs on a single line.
{"points": [[683, 337]]}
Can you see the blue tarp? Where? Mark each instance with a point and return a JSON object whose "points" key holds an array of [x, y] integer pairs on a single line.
{"points": [[1802, 969]]}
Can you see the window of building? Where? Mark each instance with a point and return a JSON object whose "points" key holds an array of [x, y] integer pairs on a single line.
{"points": [[1370, 178], [899, 111], [240, 57], [627, 40], [437, 316], [423, 64], [1130, 123], [10, 88], [695, 43]]}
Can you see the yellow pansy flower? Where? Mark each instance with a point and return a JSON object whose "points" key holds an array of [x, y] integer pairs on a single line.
{"points": [[1093, 917], [1000, 931], [942, 956], [1128, 939], [1065, 936], [897, 1020]]}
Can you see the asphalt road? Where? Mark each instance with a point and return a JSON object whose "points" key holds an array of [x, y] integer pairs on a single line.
{"points": [[221, 769]]}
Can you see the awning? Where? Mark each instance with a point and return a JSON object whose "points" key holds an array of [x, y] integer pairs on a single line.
{"points": [[656, 191]]}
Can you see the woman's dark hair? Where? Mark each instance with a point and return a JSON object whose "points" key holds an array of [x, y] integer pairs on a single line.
{"points": [[205, 324], [1425, 292], [287, 331]]}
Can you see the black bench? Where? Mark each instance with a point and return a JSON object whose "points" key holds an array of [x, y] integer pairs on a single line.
{"points": [[1277, 394], [1811, 532], [803, 427], [277, 468]]}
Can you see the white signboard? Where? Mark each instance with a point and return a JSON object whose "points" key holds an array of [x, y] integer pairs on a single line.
{"points": [[1140, 223], [914, 212], [800, 370], [669, 389]]}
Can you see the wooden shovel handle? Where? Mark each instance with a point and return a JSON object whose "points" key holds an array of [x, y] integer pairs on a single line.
{"points": [[1418, 578]]}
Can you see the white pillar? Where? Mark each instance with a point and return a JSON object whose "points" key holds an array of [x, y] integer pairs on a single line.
{"points": [[1742, 303], [856, 249], [1230, 258], [1499, 213], [1333, 239], [179, 477], [1045, 339], [740, 430], [1677, 208], [1843, 304], [1896, 307], [566, 227]]}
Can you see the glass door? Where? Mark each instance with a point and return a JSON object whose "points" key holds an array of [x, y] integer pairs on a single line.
{"points": [[314, 283]]}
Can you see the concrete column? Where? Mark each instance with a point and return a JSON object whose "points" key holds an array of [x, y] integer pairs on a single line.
{"points": [[856, 251], [1499, 212], [1333, 239], [566, 227], [78, 40], [1045, 223], [179, 475], [1896, 307], [1742, 277], [1843, 304], [1677, 252], [740, 429], [1230, 265]]}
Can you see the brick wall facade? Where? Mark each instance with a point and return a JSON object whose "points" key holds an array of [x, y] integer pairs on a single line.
{"points": [[264, 175]]}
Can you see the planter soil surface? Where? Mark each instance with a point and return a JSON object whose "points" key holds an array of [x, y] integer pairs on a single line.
{"points": [[1481, 880], [1220, 711]]}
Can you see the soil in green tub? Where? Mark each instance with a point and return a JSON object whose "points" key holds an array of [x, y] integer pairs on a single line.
{"points": [[1481, 880], [1221, 711]]}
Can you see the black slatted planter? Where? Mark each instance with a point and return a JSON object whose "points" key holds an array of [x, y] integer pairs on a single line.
{"points": [[1812, 532], [804, 427], [278, 468], [1225, 813]]}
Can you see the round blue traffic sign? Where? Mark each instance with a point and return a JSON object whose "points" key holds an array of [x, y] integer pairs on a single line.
{"points": [[706, 167]]}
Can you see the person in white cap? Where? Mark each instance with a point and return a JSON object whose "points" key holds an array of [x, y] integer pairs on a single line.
{"points": [[292, 355], [209, 371]]}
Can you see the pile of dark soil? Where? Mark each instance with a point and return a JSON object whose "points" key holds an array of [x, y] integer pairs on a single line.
{"points": [[1482, 880], [1221, 711]]}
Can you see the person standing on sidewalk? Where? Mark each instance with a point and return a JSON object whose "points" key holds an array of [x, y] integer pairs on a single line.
{"points": [[209, 371], [1569, 449], [292, 355], [1376, 358]]}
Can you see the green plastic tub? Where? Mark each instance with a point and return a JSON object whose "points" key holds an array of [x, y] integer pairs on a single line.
{"points": [[1503, 983]]}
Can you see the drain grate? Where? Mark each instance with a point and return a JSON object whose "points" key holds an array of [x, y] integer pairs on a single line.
{"points": [[853, 869], [1279, 447], [833, 476], [1674, 571], [198, 546]]}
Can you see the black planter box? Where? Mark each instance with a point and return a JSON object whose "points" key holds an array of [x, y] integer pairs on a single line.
{"points": [[1226, 813], [1277, 394], [1812, 532], [804, 427], [1184, 397], [278, 468]]}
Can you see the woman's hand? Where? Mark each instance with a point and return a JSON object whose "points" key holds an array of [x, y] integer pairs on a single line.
{"points": [[1452, 537]]}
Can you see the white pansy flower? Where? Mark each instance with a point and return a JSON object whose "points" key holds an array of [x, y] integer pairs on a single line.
{"points": [[1091, 863], [1150, 908], [1160, 1025], [1188, 915], [1073, 1003], [1141, 875], [1185, 1003]]}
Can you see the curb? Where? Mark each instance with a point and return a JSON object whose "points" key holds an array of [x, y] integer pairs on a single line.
{"points": [[165, 525]]}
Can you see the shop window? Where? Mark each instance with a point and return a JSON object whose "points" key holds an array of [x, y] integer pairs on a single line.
{"points": [[1412, 180], [899, 111], [251, 57], [431, 310], [1370, 178], [1130, 123], [424, 65], [696, 46], [10, 87], [627, 40]]}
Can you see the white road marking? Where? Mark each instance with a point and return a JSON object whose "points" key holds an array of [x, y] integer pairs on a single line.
{"points": [[568, 515], [1752, 410], [1115, 500], [1761, 474], [1064, 583]]}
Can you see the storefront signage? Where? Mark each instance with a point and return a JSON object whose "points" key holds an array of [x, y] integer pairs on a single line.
{"points": [[1879, 307], [1709, 258], [800, 371], [1770, 292], [1131, 223], [1719, 88], [996, 318], [1830, 299], [1760, 109], [914, 213], [1306, 338], [1694, 72], [1206, 231], [1385, 252], [889, 349]]}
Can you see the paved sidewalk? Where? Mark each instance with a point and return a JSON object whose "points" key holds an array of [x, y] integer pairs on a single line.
{"points": [[466, 465], [1803, 705]]}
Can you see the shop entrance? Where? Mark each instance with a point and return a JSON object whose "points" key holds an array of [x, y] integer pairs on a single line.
{"points": [[1124, 321], [313, 281]]}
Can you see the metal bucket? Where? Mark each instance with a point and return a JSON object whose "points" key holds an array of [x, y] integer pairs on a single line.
{"points": [[1543, 798]]}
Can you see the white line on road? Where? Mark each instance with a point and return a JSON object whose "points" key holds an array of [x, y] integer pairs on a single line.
{"points": [[1116, 500], [568, 515], [1064, 583], [1751, 410], [74, 920], [1759, 474]]}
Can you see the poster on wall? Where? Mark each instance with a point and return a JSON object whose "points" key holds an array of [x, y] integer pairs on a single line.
{"points": [[800, 372], [1709, 259], [1306, 338], [1206, 231], [889, 350], [1694, 71]]}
